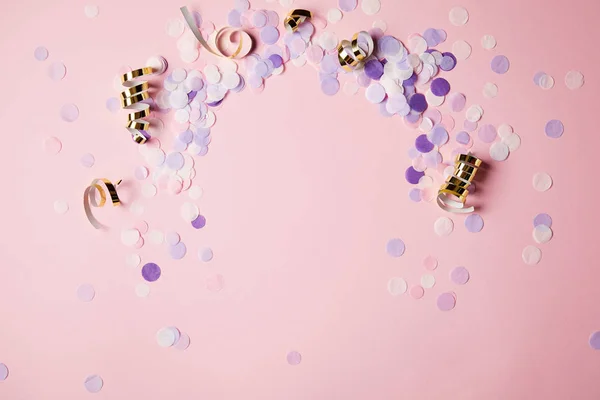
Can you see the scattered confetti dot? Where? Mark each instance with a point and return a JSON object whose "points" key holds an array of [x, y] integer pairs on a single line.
{"points": [[334, 15], [487, 133], [151, 272], [428, 281], [87, 160], [52, 145], [542, 234], [330, 86], [167, 337], [545, 81], [294, 358], [184, 342], [446, 301], [513, 141], [443, 226], [86, 292], [574, 80], [149, 190], [3, 372], [69, 112], [474, 223], [142, 290], [499, 151], [215, 283], [542, 219], [397, 286], [130, 237], [40, 53], [93, 383], [459, 275], [461, 50], [594, 341], [57, 71], [416, 292], [156, 237], [141, 173], [531, 255], [205, 254], [554, 129], [133, 260], [490, 90], [91, 11], [61, 206], [395, 247], [347, 5], [371, 7], [542, 181], [199, 222], [488, 42], [175, 28], [500, 64], [178, 251], [459, 16], [189, 211], [430, 263], [195, 192], [113, 105]]}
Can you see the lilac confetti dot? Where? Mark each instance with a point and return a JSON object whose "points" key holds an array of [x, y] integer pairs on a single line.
{"points": [[374, 69], [69, 112], [395, 247], [330, 86], [423, 144], [112, 104], [448, 61], [205, 254], [389, 45], [463, 137], [269, 34], [294, 358], [3, 372], [179, 145], [175, 160], [151, 272], [276, 60], [459, 275], [40, 53], [595, 340], [347, 5], [432, 37], [178, 251], [418, 102], [199, 222], [440, 87], [186, 136], [413, 176], [411, 81], [474, 223], [93, 383], [487, 133], [554, 129], [542, 219], [233, 18], [438, 135], [446, 301], [415, 195], [500, 64]]}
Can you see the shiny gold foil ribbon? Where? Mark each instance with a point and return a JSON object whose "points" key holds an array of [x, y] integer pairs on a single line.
{"points": [[243, 48], [294, 18], [135, 93], [453, 194], [351, 55], [103, 186]]}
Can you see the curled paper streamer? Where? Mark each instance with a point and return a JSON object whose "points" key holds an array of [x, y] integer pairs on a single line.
{"points": [[294, 18], [132, 98], [227, 33], [453, 194], [350, 53], [103, 187]]}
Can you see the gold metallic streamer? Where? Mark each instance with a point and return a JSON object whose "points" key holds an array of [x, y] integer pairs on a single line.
{"points": [[243, 48], [103, 187], [294, 18], [453, 194], [351, 55], [135, 93]]}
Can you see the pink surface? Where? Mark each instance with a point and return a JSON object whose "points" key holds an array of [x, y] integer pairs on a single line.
{"points": [[302, 192]]}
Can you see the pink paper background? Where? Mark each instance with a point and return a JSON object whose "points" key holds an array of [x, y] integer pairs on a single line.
{"points": [[302, 191]]}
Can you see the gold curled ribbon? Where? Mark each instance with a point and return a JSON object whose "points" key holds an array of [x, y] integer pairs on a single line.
{"points": [[351, 55], [453, 193], [243, 48], [294, 18], [131, 99], [102, 186]]}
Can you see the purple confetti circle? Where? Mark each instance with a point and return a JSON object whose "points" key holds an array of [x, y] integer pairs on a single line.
{"points": [[374, 69], [178, 251], [395, 247], [330, 86], [294, 358], [412, 175], [446, 301], [151, 272], [474, 223], [595, 340], [269, 35], [415, 195], [3, 372], [199, 222], [347, 5], [423, 144], [459, 275], [463, 137], [500, 64], [542, 219], [93, 383], [440, 87], [554, 129], [487, 133], [417, 102]]}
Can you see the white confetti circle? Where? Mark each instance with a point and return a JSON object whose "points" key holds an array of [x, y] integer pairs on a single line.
{"points": [[443, 226], [531, 255], [542, 181], [397, 286]]}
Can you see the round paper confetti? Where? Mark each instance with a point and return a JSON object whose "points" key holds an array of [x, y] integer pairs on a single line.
{"points": [[52, 145], [542, 234], [542, 219], [395, 247], [461, 49], [156, 237], [205, 254], [371, 7], [574, 80], [531, 255], [513, 141], [500, 64], [86, 293], [133, 260], [490, 90], [428, 281], [330, 86], [175, 28], [554, 129], [61, 206], [199, 222], [189, 211], [443, 226], [69, 112], [459, 275], [430, 263], [542, 181], [294, 358], [215, 283], [167, 337], [347, 5], [142, 290], [499, 151], [594, 341], [184, 342], [3, 372], [151, 272], [57, 71], [40, 53], [130, 237], [488, 42], [487, 133], [446, 301], [91, 11], [397, 286], [178, 251], [87, 160], [416, 292], [93, 383], [459, 16], [474, 223], [545, 81], [334, 15]]}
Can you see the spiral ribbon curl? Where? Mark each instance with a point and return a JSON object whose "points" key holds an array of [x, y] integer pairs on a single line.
{"points": [[103, 186], [132, 98], [350, 53], [294, 18], [453, 194]]}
